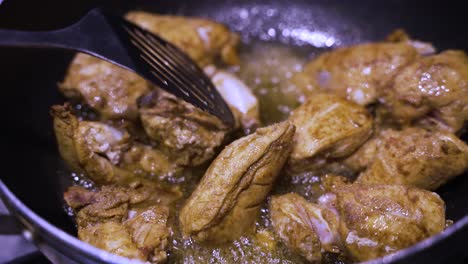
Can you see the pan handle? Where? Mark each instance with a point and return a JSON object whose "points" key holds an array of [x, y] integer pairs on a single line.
{"points": [[8, 225], [17, 249]]}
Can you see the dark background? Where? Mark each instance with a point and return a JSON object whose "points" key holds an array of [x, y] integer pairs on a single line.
{"points": [[27, 78]]}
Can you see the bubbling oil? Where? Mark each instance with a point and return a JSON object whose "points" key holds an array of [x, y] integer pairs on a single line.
{"points": [[267, 68]]}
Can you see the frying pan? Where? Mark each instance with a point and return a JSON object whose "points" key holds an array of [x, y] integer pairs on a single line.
{"points": [[33, 179]]}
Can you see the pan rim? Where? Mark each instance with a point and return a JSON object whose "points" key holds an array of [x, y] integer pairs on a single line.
{"points": [[44, 227]]}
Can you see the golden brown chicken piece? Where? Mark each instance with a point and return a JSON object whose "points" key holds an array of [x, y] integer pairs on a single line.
{"points": [[89, 147], [108, 89], [113, 92], [363, 157], [184, 129], [106, 153], [240, 98], [432, 91], [227, 201], [191, 133], [205, 41], [181, 127], [416, 157], [358, 73], [328, 127], [400, 35], [364, 221], [376, 220], [307, 229], [130, 221], [151, 162]]}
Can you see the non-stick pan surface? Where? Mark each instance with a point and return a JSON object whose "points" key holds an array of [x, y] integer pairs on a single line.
{"points": [[32, 169]]}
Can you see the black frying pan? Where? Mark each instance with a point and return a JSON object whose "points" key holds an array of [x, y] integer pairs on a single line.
{"points": [[32, 181]]}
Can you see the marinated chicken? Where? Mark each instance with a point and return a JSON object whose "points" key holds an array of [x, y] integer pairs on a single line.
{"points": [[181, 127], [108, 89], [239, 97], [113, 92], [365, 154], [205, 41], [389, 113], [399, 35], [226, 202], [328, 127], [193, 134], [431, 91], [364, 221], [106, 153], [130, 221], [414, 157], [358, 73], [376, 220], [306, 228]]}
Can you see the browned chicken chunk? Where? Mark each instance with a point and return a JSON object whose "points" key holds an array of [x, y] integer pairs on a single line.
{"points": [[191, 133], [363, 157], [432, 91], [108, 89], [386, 113], [129, 221], [376, 220], [113, 92], [240, 98], [358, 73], [414, 157], [400, 35], [328, 126], [205, 41], [307, 229], [181, 127], [227, 201], [106, 153], [364, 221]]}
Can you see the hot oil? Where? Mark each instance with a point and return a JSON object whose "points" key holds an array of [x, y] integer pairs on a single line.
{"points": [[267, 68]]}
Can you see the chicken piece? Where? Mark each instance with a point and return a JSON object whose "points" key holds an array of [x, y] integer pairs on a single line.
{"points": [[399, 35], [205, 41], [364, 156], [265, 239], [181, 128], [113, 92], [307, 229], [105, 153], [239, 97], [330, 182], [416, 157], [376, 220], [227, 201], [89, 147], [431, 91], [130, 221], [108, 89], [358, 73], [365, 221], [191, 133], [328, 127], [148, 161]]}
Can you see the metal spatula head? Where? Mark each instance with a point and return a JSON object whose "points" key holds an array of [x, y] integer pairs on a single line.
{"points": [[158, 61], [165, 65], [120, 42]]}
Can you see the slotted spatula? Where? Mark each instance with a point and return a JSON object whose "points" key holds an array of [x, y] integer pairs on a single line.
{"points": [[120, 42]]}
